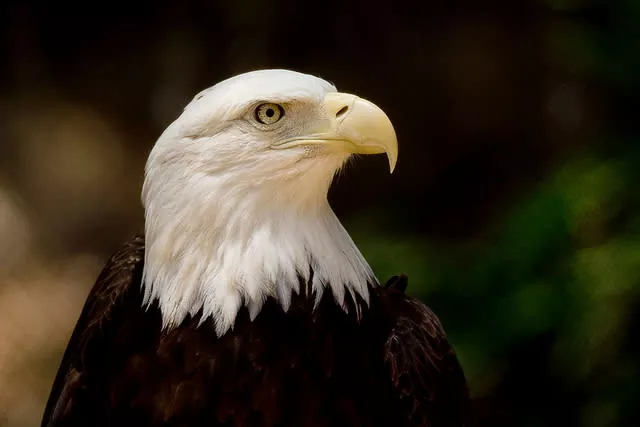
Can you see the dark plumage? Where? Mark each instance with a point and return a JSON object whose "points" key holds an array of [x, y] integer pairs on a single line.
{"points": [[393, 367]]}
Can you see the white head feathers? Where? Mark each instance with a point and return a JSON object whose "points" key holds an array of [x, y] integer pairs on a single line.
{"points": [[235, 197]]}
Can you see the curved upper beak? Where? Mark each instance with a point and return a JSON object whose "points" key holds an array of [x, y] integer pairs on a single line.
{"points": [[352, 125], [364, 127]]}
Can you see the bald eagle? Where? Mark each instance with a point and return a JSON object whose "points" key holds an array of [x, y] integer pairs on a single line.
{"points": [[245, 302]]}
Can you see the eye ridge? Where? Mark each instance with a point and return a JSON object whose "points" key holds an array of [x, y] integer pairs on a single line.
{"points": [[269, 113]]}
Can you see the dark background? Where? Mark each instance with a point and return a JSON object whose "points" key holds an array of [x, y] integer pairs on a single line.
{"points": [[514, 208]]}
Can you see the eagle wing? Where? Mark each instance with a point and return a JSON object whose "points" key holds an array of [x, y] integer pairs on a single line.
{"points": [[423, 365], [122, 271]]}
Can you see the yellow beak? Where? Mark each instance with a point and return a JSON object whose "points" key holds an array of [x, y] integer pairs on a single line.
{"points": [[354, 125]]}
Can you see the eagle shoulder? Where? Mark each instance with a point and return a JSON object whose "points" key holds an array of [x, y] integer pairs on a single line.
{"points": [[121, 272], [422, 364]]}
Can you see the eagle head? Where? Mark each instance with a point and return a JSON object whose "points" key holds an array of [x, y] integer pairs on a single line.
{"points": [[235, 196]]}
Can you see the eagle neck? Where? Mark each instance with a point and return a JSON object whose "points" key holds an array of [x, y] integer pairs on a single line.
{"points": [[212, 261]]}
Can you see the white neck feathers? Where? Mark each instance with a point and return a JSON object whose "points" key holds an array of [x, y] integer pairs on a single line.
{"points": [[217, 244]]}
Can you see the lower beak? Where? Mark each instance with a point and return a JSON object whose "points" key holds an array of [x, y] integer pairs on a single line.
{"points": [[356, 126]]}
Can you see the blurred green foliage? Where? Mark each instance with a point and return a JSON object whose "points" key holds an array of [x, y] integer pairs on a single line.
{"points": [[544, 306], [565, 265]]}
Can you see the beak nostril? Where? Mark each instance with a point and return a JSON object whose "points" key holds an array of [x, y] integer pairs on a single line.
{"points": [[342, 111]]}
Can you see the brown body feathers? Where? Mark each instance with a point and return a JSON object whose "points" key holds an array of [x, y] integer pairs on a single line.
{"points": [[393, 367]]}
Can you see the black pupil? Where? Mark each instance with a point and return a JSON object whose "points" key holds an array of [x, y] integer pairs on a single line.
{"points": [[270, 112]]}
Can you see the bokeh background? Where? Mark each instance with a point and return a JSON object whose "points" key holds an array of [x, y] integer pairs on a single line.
{"points": [[515, 207]]}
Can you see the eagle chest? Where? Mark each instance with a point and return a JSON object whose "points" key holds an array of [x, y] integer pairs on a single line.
{"points": [[282, 369]]}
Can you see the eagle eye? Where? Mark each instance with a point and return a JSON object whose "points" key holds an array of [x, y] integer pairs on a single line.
{"points": [[269, 113]]}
